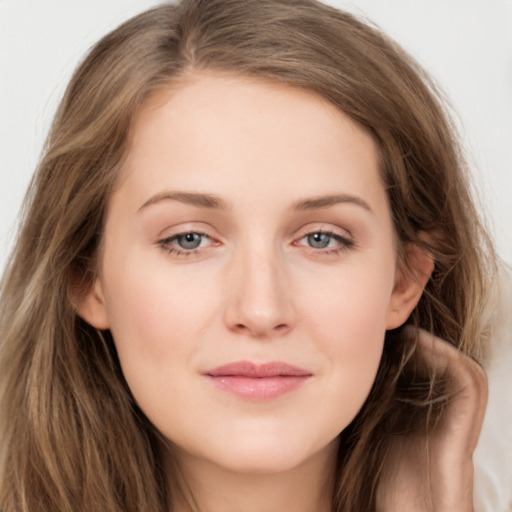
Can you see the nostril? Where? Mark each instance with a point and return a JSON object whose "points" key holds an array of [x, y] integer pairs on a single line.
{"points": [[243, 327]]}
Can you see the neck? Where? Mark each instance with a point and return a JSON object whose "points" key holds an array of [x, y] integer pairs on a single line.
{"points": [[307, 487]]}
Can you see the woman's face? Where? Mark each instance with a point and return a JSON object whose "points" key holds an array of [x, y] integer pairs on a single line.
{"points": [[248, 272]]}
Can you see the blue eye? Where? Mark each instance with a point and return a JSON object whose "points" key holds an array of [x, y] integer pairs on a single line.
{"points": [[185, 244], [189, 241], [319, 240], [326, 242]]}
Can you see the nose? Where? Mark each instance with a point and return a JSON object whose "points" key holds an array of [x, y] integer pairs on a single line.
{"points": [[259, 300]]}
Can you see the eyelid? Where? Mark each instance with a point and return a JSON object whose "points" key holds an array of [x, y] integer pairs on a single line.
{"points": [[341, 238], [182, 227], [166, 242], [345, 240], [324, 227], [172, 238]]}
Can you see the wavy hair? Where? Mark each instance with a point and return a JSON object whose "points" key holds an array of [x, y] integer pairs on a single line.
{"points": [[72, 436]]}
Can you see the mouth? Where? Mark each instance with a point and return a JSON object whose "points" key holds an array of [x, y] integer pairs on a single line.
{"points": [[258, 381]]}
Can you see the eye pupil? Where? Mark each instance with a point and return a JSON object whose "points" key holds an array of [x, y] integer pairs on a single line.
{"points": [[189, 241], [319, 240]]}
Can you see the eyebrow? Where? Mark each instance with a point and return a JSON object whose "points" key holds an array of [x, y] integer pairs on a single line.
{"points": [[212, 201], [192, 198], [317, 203]]}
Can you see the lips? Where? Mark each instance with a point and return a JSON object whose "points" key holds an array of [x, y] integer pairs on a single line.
{"points": [[258, 381]]}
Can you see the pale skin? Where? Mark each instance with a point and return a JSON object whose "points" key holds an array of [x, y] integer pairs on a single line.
{"points": [[250, 224]]}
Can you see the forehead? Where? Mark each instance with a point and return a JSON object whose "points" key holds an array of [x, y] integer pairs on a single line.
{"points": [[219, 133]]}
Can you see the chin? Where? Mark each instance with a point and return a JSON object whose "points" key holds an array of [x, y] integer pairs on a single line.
{"points": [[270, 455], [260, 464]]}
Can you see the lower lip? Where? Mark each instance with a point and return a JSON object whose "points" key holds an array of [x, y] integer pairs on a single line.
{"points": [[263, 388]]}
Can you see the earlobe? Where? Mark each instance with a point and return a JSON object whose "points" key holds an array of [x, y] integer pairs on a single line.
{"points": [[409, 286], [90, 306]]}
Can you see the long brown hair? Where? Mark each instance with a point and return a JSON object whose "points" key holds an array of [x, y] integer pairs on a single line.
{"points": [[72, 436]]}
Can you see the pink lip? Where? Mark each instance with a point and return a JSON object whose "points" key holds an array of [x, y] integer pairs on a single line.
{"points": [[258, 382]]}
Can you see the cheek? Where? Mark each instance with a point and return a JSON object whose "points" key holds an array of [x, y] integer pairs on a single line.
{"points": [[158, 320], [347, 320], [351, 303], [157, 317]]}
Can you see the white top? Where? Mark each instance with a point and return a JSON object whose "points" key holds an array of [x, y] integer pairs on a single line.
{"points": [[493, 456]]}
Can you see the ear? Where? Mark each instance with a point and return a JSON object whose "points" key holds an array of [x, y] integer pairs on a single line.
{"points": [[91, 306], [409, 285]]}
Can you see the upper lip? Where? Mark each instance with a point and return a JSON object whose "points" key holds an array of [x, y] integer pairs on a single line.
{"points": [[265, 370]]}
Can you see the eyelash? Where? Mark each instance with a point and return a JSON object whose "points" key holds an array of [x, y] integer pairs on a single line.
{"points": [[344, 243], [166, 244]]}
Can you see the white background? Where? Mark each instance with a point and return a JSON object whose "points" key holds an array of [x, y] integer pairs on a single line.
{"points": [[465, 44]]}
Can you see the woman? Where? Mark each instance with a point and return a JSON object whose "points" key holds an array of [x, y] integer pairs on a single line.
{"points": [[248, 216]]}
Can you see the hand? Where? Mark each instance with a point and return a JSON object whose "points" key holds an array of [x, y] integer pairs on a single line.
{"points": [[434, 472]]}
